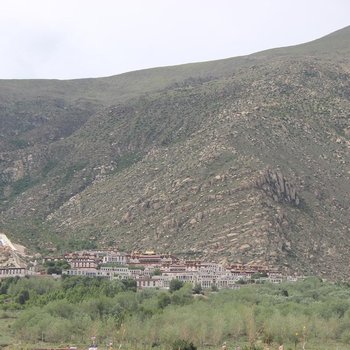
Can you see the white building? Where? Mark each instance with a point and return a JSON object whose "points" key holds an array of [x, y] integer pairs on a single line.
{"points": [[115, 257], [13, 272]]}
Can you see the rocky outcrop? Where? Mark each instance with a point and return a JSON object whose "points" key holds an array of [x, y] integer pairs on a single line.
{"points": [[274, 184]]}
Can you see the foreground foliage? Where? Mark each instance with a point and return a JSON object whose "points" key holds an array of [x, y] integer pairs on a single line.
{"points": [[74, 309]]}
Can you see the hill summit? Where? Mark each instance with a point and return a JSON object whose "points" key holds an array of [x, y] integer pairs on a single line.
{"points": [[238, 160]]}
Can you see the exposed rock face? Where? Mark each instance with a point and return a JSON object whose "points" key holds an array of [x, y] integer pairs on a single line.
{"points": [[11, 255], [145, 161], [6, 257], [276, 186]]}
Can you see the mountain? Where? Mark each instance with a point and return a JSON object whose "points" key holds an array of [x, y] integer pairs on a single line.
{"points": [[243, 159]]}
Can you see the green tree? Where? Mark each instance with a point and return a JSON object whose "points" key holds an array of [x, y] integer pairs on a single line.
{"points": [[175, 285], [197, 289], [157, 272], [23, 297], [183, 295], [163, 300], [183, 345], [56, 267], [130, 284]]}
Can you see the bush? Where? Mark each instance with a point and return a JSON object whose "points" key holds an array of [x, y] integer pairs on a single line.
{"points": [[23, 297], [56, 267], [183, 295], [197, 289], [130, 284], [175, 285], [181, 344], [163, 300]]}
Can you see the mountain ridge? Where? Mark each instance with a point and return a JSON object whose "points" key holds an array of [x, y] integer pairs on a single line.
{"points": [[246, 161]]}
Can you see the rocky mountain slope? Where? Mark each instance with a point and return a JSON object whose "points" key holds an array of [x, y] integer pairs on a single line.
{"points": [[244, 159]]}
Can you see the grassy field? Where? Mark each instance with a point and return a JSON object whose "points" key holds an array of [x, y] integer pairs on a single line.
{"points": [[6, 320]]}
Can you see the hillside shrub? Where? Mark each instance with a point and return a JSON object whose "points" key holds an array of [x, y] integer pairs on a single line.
{"points": [[175, 285], [182, 344]]}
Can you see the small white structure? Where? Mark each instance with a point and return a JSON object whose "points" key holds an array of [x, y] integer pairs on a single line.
{"points": [[115, 257], [13, 272]]}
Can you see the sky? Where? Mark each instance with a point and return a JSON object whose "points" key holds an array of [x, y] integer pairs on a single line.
{"points": [[68, 39]]}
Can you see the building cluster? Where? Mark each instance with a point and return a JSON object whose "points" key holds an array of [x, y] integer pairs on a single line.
{"points": [[151, 270]]}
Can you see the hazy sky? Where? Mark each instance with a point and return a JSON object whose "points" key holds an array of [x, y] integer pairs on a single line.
{"points": [[90, 38]]}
